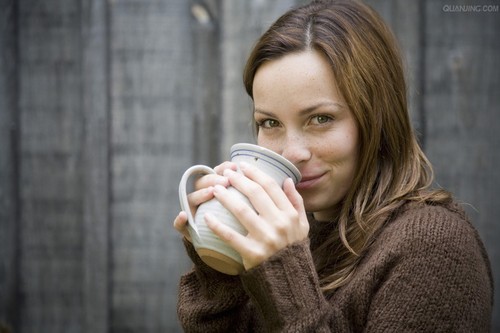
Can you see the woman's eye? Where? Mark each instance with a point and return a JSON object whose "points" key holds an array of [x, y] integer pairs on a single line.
{"points": [[320, 119], [268, 123]]}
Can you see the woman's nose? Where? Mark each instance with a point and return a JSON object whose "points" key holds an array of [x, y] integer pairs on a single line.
{"points": [[296, 149]]}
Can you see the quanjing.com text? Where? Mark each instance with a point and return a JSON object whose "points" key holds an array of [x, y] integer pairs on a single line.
{"points": [[471, 8]]}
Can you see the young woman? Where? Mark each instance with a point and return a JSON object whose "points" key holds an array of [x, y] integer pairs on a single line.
{"points": [[362, 243]]}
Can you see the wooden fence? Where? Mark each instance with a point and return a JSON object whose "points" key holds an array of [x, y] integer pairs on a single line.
{"points": [[103, 105]]}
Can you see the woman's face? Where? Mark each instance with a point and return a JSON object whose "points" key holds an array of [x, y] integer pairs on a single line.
{"points": [[301, 115]]}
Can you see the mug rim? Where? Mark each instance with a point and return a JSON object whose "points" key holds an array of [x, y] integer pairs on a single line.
{"points": [[293, 170]]}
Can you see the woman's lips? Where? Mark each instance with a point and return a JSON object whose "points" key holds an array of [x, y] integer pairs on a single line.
{"points": [[309, 181]]}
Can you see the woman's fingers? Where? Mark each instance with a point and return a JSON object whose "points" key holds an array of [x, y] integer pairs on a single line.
{"points": [[293, 195], [250, 251], [204, 191], [204, 185], [210, 180], [225, 165], [196, 198], [274, 217], [243, 212], [227, 234], [297, 202], [215, 179], [181, 224], [259, 188]]}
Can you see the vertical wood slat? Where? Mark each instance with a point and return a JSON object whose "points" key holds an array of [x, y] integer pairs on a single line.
{"points": [[462, 107], [151, 144], [207, 87], [9, 302], [95, 167], [50, 177]]}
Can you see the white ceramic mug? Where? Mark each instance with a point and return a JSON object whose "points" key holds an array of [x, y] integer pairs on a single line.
{"points": [[211, 249]]}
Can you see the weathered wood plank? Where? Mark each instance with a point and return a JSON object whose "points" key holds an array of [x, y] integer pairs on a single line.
{"points": [[462, 106], [95, 167], [152, 124], [9, 303], [206, 89], [50, 176]]}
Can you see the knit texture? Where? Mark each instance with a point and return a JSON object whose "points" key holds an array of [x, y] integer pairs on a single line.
{"points": [[426, 271]]}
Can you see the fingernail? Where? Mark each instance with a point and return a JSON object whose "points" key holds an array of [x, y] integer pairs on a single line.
{"points": [[222, 181], [218, 188], [228, 172]]}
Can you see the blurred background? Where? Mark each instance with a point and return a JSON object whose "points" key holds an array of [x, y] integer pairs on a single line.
{"points": [[103, 105]]}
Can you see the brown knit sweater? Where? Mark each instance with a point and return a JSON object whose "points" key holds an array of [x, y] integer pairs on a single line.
{"points": [[427, 271]]}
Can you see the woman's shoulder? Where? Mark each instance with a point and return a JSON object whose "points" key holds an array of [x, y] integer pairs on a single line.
{"points": [[443, 229], [421, 219], [437, 238], [428, 258]]}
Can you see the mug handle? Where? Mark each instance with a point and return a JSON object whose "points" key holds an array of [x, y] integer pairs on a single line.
{"points": [[196, 169]]}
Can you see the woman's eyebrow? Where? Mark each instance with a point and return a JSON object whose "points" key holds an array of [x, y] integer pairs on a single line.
{"points": [[306, 111], [266, 113], [314, 107]]}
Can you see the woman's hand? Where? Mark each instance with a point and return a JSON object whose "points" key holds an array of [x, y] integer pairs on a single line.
{"points": [[204, 191], [279, 218]]}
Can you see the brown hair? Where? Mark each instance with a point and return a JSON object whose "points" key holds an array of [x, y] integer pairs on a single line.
{"points": [[366, 63]]}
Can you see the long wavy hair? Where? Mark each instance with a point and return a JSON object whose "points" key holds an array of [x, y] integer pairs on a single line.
{"points": [[367, 66]]}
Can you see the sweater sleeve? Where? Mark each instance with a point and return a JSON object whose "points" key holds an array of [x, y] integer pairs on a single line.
{"points": [[285, 290], [280, 295], [210, 301]]}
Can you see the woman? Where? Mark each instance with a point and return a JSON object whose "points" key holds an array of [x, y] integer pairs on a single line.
{"points": [[362, 243]]}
